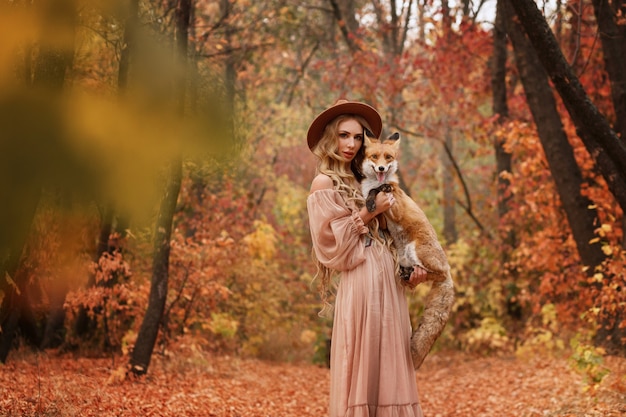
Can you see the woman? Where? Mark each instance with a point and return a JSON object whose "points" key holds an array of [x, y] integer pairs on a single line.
{"points": [[371, 370]]}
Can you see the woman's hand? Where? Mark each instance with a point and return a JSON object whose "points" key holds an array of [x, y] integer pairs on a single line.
{"points": [[417, 277], [383, 202]]}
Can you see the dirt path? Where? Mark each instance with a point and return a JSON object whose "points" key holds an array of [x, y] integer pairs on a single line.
{"points": [[201, 385]]}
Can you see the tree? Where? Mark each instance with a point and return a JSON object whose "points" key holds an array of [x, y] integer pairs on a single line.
{"points": [[593, 128], [558, 151], [504, 166], [449, 213], [613, 37], [501, 110], [605, 147], [146, 339]]}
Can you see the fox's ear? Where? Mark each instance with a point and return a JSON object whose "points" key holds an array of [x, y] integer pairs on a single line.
{"points": [[369, 136], [394, 138]]}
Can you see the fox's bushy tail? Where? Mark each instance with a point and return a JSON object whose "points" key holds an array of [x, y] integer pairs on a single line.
{"points": [[434, 318]]}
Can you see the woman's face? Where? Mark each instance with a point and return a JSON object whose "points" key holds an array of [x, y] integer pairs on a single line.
{"points": [[350, 134]]}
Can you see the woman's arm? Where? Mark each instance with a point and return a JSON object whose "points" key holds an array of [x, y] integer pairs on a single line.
{"points": [[383, 200]]}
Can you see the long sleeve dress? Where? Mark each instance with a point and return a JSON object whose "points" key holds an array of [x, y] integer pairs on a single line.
{"points": [[371, 370]]}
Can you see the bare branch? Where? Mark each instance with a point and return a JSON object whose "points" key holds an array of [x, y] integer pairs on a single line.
{"points": [[468, 206]]}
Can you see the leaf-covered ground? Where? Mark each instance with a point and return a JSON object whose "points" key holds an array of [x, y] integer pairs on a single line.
{"points": [[451, 384]]}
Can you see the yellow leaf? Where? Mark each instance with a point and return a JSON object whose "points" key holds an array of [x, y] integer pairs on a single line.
{"points": [[607, 227]]}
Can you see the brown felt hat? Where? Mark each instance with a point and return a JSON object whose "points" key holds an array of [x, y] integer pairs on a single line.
{"points": [[343, 107]]}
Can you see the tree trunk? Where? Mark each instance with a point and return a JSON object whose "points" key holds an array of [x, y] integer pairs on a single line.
{"points": [[503, 164], [500, 107], [230, 71], [128, 45], [343, 12], [449, 203], [146, 339], [447, 177], [421, 21], [613, 37], [558, 21], [557, 149], [593, 128]]}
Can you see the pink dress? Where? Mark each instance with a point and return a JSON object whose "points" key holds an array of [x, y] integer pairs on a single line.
{"points": [[371, 370]]}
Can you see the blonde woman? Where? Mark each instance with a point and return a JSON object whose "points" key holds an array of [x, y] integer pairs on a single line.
{"points": [[371, 370]]}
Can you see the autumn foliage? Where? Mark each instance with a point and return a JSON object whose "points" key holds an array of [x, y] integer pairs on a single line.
{"points": [[193, 383], [240, 278]]}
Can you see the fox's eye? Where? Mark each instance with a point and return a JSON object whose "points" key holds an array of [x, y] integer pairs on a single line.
{"points": [[388, 157], [374, 156]]}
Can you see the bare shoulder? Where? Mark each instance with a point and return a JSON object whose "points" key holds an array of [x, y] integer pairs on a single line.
{"points": [[321, 182]]}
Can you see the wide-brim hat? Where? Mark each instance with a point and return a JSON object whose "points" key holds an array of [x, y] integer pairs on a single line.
{"points": [[316, 130]]}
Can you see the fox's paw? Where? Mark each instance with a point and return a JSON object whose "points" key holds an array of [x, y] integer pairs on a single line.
{"points": [[385, 188], [370, 202], [405, 272]]}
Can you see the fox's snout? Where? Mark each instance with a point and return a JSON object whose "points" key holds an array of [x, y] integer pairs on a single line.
{"points": [[378, 167]]}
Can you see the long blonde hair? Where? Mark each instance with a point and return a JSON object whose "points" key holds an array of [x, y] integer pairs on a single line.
{"points": [[345, 181]]}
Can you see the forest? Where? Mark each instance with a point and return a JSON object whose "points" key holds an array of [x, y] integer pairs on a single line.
{"points": [[155, 253]]}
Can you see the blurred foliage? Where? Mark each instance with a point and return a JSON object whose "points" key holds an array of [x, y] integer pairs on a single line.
{"points": [[488, 338], [542, 335]]}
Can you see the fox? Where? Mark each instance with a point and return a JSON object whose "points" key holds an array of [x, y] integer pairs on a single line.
{"points": [[414, 238]]}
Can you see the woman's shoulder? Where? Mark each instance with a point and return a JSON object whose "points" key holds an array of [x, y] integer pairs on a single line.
{"points": [[321, 182]]}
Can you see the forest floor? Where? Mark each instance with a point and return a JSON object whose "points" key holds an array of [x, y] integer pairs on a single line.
{"points": [[450, 384]]}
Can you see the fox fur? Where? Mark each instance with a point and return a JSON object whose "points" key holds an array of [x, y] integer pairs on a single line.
{"points": [[414, 238]]}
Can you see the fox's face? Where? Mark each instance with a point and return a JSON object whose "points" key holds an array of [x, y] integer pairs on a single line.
{"points": [[380, 157]]}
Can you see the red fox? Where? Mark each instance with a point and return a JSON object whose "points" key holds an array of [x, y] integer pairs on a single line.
{"points": [[414, 238]]}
